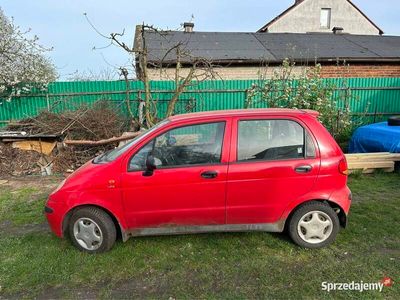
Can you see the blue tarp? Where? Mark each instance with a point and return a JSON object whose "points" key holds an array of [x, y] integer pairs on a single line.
{"points": [[377, 137]]}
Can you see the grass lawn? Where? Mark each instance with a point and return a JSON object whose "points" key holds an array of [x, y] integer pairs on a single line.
{"points": [[34, 263]]}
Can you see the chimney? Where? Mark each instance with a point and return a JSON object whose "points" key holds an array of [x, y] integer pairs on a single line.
{"points": [[337, 30], [188, 26]]}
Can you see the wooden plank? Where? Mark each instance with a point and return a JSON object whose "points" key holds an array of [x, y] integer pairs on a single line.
{"points": [[38, 146], [370, 171], [374, 156], [367, 154], [371, 165]]}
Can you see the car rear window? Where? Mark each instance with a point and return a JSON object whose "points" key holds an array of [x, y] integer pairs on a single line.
{"points": [[273, 140]]}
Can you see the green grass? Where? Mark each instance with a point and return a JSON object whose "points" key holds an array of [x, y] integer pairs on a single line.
{"points": [[242, 265], [20, 206]]}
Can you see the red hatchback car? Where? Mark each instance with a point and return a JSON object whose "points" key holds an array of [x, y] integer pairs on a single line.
{"points": [[241, 170]]}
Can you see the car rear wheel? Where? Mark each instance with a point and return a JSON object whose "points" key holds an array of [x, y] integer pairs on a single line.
{"points": [[92, 230], [314, 225]]}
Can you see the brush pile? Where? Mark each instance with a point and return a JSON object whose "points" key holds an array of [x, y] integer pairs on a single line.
{"points": [[95, 123]]}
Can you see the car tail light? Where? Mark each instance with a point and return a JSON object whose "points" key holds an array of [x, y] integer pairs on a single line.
{"points": [[343, 167]]}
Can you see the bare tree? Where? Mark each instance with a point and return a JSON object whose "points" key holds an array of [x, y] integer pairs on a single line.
{"points": [[106, 74], [197, 69]]}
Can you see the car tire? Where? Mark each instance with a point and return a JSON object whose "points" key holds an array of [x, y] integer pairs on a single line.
{"points": [[314, 225], [92, 230], [394, 121]]}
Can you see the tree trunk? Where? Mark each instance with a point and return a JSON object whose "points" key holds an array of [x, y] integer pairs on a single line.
{"points": [[101, 142]]}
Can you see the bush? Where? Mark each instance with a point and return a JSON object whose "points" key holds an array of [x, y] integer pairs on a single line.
{"points": [[305, 91]]}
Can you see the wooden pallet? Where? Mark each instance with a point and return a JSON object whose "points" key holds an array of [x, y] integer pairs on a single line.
{"points": [[369, 162]]}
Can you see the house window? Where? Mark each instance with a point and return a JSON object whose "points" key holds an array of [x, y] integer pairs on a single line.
{"points": [[325, 18]]}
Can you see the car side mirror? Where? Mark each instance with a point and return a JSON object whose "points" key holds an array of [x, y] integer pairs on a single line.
{"points": [[150, 165]]}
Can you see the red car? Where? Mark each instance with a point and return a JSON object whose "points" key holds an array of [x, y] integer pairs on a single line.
{"points": [[242, 170]]}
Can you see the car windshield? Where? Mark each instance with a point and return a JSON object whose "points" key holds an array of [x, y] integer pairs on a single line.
{"points": [[111, 155]]}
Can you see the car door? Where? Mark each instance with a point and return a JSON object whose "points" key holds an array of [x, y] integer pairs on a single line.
{"points": [[273, 162], [188, 187]]}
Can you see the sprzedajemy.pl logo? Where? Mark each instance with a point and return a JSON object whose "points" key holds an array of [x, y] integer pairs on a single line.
{"points": [[360, 286]]}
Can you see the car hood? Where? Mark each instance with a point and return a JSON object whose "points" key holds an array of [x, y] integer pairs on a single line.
{"points": [[88, 176]]}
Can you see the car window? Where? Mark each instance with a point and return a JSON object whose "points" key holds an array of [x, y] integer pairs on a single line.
{"points": [[188, 145], [112, 155], [270, 140], [310, 147]]}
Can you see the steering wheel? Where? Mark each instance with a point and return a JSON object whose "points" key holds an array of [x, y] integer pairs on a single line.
{"points": [[165, 156]]}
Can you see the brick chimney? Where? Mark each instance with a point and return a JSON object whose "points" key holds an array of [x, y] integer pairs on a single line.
{"points": [[337, 30], [188, 26]]}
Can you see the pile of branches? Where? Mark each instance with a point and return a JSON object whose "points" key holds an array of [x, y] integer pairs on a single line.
{"points": [[96, 123], [15, 162]]}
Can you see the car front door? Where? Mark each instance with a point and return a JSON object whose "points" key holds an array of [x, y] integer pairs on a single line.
{"points": [[273, 162], [188, 186]]}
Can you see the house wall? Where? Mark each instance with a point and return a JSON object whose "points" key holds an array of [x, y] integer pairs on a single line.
{"points": [[306, 18], [327, 71], [361, 71], [225, 73]]}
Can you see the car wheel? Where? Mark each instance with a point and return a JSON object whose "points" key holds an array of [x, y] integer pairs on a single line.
{"points": [[92, 230], [314, 225]]}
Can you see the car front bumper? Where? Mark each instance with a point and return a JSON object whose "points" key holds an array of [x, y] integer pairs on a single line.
{"points": [[55, 211]]}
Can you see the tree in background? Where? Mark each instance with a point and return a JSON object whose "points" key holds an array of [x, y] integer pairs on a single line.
{"points": [[199, 69], [23, 63], [105, 74]]}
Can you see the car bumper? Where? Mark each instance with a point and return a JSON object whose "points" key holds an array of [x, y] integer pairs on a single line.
{"points": [[55, 212], [343, 198]]}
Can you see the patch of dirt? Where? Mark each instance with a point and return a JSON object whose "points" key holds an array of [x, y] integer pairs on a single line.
{"points": [[59, 292], [140, 288], [394, 253], [9, 229], [45, 184]]}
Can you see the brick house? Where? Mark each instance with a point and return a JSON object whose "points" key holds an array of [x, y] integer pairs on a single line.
{"points": [[244, 55], [306, 16]]}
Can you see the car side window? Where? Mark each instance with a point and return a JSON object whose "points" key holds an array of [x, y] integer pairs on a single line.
{"points": [[183, 146], [271, 140], [311, 152]]}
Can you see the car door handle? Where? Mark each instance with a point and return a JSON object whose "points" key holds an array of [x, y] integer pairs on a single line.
{"points": [[303, 169], [209, 174]]}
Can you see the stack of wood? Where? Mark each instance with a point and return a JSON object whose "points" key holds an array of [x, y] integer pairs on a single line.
{"points": [[369, 162]]}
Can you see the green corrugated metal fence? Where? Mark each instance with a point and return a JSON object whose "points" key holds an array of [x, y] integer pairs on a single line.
{"points": [[378, 97]]}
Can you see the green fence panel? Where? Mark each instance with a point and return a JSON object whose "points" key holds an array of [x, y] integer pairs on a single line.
{"points": [[378, 97]]}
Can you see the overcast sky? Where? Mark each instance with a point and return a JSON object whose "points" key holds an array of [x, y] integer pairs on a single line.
{"points": [[61, 24]]}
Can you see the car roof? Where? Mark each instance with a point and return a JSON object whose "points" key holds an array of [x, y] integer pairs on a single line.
{"points": [[244, 112]]}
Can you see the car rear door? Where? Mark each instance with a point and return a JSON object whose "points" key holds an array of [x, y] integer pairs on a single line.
{"points": [[273, 162], [188, 188]]}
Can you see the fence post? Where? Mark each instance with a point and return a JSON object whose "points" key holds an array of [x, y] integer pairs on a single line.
{"points": [[140, 107], [48, 101]]}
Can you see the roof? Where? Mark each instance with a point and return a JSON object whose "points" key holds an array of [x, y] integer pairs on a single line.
{"points": [[255, 48], [297, 3], [243, 112]]}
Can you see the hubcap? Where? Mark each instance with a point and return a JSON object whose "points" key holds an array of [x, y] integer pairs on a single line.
{"points": [[88, 234], [315, 227]]}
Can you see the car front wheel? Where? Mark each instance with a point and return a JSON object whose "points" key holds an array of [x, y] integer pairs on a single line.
{"points": [[92, 230], [314, 225]]}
